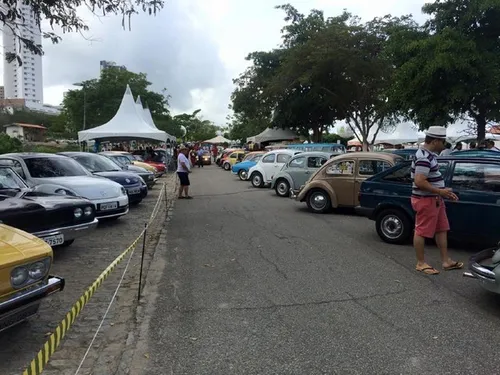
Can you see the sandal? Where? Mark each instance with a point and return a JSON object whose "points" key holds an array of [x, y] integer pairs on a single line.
{"points": [[188, 197], [454, 266], [428, 270], [180, 197]]}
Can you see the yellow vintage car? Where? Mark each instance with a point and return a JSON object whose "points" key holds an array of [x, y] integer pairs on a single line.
{"points": [[25, 263]]}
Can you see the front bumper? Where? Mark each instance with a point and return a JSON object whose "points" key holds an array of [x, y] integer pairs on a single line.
{"points": [[136, 193], [69, 233], [483, 273], [364, 211], [149, 179], [18, 307], [120, 210]]}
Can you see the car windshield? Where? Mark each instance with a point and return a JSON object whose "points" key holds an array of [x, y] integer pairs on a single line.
{"points": [[256, 158], [96, 163], [117, 161], [10, 180], [48, 167]]}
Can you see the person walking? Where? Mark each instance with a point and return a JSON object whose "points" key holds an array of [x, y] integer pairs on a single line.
{"points": [[428, 191], [200, 153], [183, 171]]}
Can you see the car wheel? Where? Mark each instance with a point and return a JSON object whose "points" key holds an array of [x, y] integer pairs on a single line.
{"points": [[318, 201], [257, 180], [242, 174], [227, 166], [282, 188], [393, 226]]}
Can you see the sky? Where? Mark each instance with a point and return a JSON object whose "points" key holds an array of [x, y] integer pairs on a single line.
{"points": [[193, 48]]}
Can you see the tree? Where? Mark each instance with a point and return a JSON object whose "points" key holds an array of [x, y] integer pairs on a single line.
{"points": [[101, 98], [450, 67], [63, 14], [8, 144]]}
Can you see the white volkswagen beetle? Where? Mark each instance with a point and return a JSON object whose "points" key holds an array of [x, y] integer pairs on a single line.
{"points": [[270, 164], [68, 177]]}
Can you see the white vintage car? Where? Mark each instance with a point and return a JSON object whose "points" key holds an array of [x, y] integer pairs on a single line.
{"points": [[68, 177], [270, 164]]}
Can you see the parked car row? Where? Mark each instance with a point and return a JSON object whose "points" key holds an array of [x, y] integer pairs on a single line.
{"points": [[48, 201], [378, 185]]}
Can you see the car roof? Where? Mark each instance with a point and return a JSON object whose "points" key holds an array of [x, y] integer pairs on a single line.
{"points": [[75, 153], [315, 153], [32, 155], [285, 151], [389, 156]]}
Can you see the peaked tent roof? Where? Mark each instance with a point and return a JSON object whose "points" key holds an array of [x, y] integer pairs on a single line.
{"points": [[217, 140], [146, 115], [273, 134], [127, 124]]}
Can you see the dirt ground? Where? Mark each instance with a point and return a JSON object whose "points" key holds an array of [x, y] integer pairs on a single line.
{"points": [[80, 264]]}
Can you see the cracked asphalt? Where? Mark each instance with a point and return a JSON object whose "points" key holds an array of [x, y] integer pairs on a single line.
{"points": [[250, 283]]}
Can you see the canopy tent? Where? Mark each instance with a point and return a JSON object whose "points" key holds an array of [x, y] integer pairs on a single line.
{"points": [[217, 140], [127, 124], [146, 115], [273, 135]]}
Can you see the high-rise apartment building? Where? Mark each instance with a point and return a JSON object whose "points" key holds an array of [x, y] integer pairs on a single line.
{"points": [[26, 80]]}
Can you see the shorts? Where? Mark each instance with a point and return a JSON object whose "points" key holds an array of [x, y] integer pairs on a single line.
{"points": [[431, 216], [183, 178]]}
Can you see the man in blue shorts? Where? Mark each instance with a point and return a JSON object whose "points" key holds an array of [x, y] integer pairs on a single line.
{"points": [[183, 171]]}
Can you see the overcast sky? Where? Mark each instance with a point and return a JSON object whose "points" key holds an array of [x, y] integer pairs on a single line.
{"points": [[194, 48]]}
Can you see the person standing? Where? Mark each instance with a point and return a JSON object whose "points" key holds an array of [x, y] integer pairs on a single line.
{"points": [[428, 191], [447, 150], [201, 151], [183, 171]]}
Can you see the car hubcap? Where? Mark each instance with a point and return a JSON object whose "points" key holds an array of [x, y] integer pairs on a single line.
{"points": [[318, 201], [243, 175], [391, 226], [256, 180], [283, 188]]}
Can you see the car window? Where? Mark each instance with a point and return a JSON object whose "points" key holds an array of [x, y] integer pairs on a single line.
{"points": [[400, 175], [9, 180], [15, 165], [256, 158], [315, 161], [344, 167], [283, 158], [233, 156], [476, 176], [48, 167], [371, 167], [96, 163], [269, 158], [297, 163]]}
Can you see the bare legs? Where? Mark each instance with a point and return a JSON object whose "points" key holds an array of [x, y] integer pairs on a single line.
{"points": [[185, 190], [442, 244]]}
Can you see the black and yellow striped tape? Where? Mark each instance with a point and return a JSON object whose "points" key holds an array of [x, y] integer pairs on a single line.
{"points": [[42, 358]]}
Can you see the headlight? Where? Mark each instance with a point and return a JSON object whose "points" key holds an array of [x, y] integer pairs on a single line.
{"points": [[88, 211], [78, 212], [61, 191], [124, 192], [19, 276], [38, 270]]}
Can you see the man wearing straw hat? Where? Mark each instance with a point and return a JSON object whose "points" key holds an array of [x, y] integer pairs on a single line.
{"points": [[183, 171], [427, 196]]}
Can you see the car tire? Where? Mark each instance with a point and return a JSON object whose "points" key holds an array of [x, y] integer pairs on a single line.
{"points": [[227, 166], [282, 188], [393, 226], [257, 180], [318, 201], [243, 174]]}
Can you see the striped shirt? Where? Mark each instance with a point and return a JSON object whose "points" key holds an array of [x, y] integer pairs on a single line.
{"points": [[425, 162]]}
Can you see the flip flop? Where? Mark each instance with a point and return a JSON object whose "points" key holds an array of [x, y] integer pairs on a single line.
{"points": [[188, 197], [180, 197], [454, 266], [428, 270]]}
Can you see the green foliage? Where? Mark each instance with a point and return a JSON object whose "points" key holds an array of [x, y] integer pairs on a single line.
{"points": [[55, 124], [101, 98], [333, 138], [8, 144]]}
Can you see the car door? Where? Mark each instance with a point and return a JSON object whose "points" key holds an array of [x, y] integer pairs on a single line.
{"points": [[476, 213], [367, 168], [267, 165], [281, 160], [313, 164], [340, 176], [296, 169]]}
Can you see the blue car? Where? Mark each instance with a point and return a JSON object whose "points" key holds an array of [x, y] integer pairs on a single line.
{"points": [[241, 169], [101, 166]]}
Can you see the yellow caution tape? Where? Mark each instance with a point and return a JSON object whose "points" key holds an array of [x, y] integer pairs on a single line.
{"points": [[42, 358]]}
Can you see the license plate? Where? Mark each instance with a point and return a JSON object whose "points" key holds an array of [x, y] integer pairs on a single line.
{"points": [[56, 240], [108, 206], [134, 191]]}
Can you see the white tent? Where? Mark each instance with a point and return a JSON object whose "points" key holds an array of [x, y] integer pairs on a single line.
{"points": [[127, 124], [217, 140], [273, 135], [146, 115]]}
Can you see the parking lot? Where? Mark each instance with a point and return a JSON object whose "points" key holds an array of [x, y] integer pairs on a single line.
{"points": [[80, 264]]}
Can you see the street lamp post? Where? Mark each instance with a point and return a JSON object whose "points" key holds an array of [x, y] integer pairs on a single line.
{"points": [[82, 85]]}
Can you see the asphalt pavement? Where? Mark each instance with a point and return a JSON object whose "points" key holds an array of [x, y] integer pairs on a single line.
{"points": [[250, 283]]}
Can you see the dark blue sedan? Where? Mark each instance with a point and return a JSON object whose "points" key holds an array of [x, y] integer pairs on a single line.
{"points": [[99, 165]]}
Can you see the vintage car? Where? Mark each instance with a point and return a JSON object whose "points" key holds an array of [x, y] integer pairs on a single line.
{"points": [[241, 169], [263, 172], [25, 279], [223, 154], [477, 152], [485, 267], [132, 160], [251, 155], [405, 153], [56, 219], [206, 158], [297, 171], [124, 163], [337, 183], [101, 166], [109, 197], [232, 158], [386, 199]]}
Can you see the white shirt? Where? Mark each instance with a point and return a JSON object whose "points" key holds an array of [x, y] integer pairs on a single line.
{"points": [[182, 159], [446, 151]]}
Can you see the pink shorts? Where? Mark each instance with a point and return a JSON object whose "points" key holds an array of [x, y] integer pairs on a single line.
{"points": [[431, 216]]}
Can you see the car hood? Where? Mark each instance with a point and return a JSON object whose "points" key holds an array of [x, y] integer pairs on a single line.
{"points": [[246, 164], [86, 186], [28, 201], [18, 247], [136, 169], [123, 178]]}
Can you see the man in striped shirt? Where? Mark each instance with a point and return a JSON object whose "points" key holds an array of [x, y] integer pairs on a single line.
{"points": [[428, 191]]}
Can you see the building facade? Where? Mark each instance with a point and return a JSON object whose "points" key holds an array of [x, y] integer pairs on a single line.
{"points": [[26, 132], [107, 64], [23, 81]]}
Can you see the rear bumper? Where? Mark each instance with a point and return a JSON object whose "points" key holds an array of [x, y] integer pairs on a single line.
{"points": [[19, 307], [364, 211], [485, 276], [71, 232]]}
